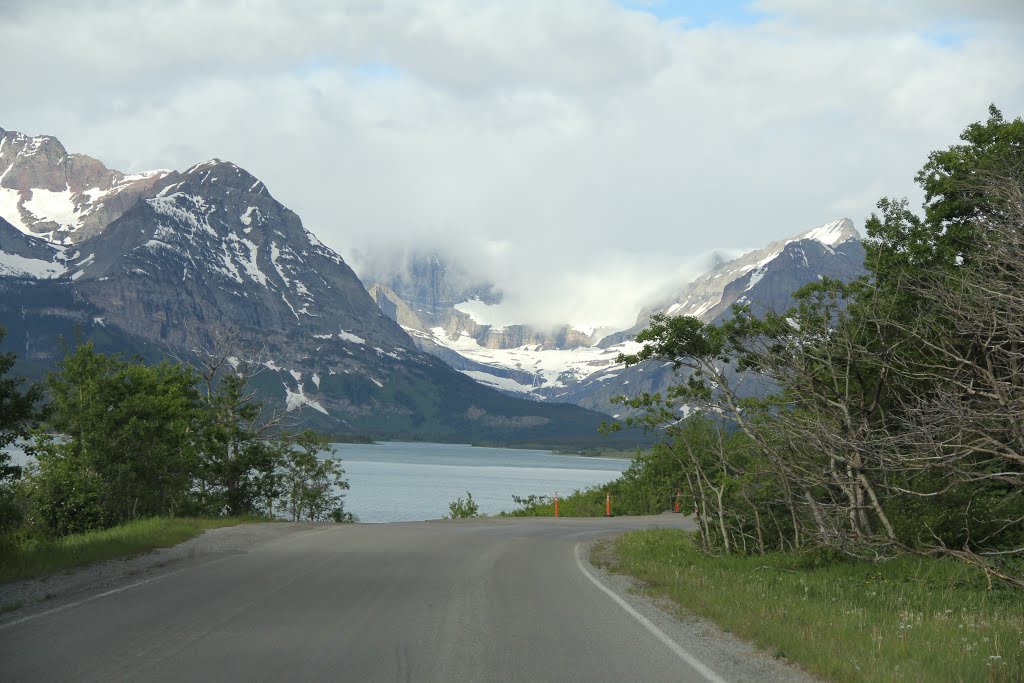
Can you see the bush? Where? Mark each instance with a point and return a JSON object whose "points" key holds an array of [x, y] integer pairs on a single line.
{"points": [[463, 509], [66, 498]]}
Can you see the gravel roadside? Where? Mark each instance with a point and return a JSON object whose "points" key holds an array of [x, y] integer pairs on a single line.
{"points": [[19, 599], [731, 658]]}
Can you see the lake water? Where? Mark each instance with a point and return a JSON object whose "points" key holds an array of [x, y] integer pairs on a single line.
{"points": [[397, 482], [404, 482]]}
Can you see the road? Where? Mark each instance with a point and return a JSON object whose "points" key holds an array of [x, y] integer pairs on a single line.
{"points": [[460, 600]]}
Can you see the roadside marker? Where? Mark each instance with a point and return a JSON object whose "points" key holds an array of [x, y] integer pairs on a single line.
{"points": [[556, 503], [608, 504]]}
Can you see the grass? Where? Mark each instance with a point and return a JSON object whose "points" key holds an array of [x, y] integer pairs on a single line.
{"points": [[908, 619], [36, 558]]}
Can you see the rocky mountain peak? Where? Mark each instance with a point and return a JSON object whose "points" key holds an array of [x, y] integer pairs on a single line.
{"points": [[61, 197], [223, 175], [215, 233], [830, 234], [703, 297]]}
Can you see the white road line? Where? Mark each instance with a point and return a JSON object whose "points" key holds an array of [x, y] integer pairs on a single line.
{"points": [[104, 594], [676, 648]]}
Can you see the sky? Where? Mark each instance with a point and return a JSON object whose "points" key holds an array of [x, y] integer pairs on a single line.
{"points": [[584, 155]]}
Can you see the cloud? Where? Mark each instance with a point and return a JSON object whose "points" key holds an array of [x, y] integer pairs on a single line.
{"points": [[604, 147]]}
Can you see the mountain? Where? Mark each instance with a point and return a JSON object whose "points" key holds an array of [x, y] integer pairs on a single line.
{"points": [[61, 197], [579, 367], [445, 310], [764, 279], [429, 284], [171, 262]]}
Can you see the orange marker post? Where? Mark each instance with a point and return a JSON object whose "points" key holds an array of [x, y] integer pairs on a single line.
{"points": [[608, 504], [677, 501], [556, 503]]}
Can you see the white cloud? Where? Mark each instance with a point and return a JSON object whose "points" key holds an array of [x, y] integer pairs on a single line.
{"points": [[601, 147]]}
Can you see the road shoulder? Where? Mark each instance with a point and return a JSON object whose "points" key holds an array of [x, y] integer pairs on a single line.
{"points": [[731, 658], [21, 599]]}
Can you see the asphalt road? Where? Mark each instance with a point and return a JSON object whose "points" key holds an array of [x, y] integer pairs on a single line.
{"points": [[463, 600]]}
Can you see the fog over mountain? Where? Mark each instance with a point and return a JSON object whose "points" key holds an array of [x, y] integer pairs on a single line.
{"points": [[432, 300], [206, 263], [578, 154]]}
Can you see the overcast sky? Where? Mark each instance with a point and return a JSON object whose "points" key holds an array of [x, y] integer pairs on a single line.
{"points": [[579, 153]]}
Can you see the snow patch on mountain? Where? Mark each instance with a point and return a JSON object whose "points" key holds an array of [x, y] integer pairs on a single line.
{"points": [[9, 210], [483, 313], [245, 253], [755, 277], [58, 207], [349, 337], [551, 368], [246, 217], [496, 382], [275, 254], [186, 210], [298, 399], [55, 214], [831, 234], [19, 266]]}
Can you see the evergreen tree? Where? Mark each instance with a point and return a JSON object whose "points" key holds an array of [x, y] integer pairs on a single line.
{"points": [[18, 414]]}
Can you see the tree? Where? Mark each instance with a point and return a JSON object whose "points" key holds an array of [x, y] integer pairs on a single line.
{"points": [[126, 435], [312, 486], [893, 423], [238, 453], [250, 460], [956, 423], [19, 412]]}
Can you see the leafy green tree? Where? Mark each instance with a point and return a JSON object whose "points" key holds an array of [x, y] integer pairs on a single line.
{"points": [[250, 461], [960, 200], [312, 486], [122, 424]]}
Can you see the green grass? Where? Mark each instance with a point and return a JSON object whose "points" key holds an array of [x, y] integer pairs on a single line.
{"points": [[36, 558], [908, 619]]}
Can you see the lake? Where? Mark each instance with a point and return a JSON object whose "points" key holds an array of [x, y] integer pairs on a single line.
{"points": [[405, 482], [398, 482]]}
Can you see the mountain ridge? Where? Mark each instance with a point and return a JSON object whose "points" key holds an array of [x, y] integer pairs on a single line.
{"points": [[207, 249], [581, 369]]}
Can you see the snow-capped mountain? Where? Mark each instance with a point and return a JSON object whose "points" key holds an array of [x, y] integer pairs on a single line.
{"points": [[578, 368], [169, 261], [28, 257], [803, 258], [446, 311], [62, 197], [764, 279], [214, 236]]}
